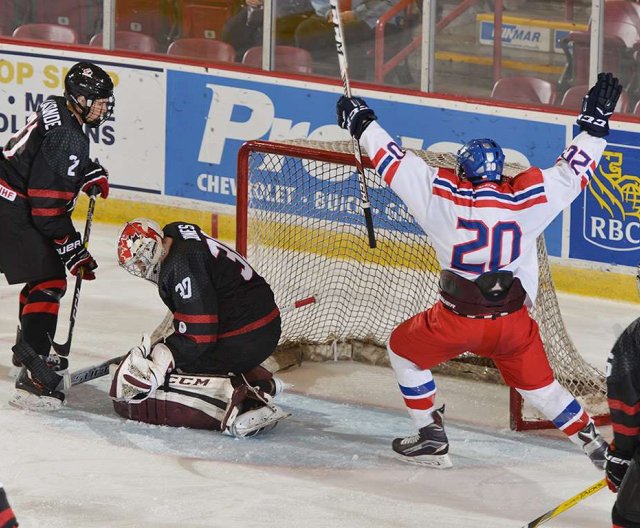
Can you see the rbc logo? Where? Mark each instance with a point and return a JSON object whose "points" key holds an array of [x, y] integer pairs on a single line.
{"points": [[612, 205]]}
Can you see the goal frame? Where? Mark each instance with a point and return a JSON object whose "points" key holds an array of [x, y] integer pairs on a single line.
{"points": [[517, 422]]}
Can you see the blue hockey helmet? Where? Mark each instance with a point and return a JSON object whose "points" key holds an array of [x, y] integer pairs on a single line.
{"points": [[480, 160]]}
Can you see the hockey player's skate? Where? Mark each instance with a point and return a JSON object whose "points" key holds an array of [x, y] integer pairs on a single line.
{"points": [[430, 447], [31, 394], [593, 445], [260, 420]]}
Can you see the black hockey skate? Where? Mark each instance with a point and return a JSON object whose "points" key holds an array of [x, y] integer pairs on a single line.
{"points": [[33, 395], [430, 447], [593, 445]]}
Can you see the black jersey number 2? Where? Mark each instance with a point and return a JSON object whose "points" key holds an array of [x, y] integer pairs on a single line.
{"points": [[215, 247]]}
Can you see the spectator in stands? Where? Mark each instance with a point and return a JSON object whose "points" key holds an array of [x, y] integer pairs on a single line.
{"points": [[244, 30], [316, 34]]}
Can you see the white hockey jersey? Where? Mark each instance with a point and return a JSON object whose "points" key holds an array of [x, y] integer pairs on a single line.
{"points": [[492, 226]]}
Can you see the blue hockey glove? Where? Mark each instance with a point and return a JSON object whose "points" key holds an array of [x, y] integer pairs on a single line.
{"points": [[354, 115]]}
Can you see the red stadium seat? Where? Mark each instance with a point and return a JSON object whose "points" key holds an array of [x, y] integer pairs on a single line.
{"points": [[621, 36], [85, 16], [203, 48], [48, 32], [129, 40], [205, 21], [572, 99], [528, 90], [151, 17], [13, 13], [287, 59]]}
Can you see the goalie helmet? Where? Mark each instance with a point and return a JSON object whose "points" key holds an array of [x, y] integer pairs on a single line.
{"points": [[139, 247], [93, 83], [480, 160]]}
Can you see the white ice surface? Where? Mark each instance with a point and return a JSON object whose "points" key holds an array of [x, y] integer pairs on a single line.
{"points": [[329, 465]]}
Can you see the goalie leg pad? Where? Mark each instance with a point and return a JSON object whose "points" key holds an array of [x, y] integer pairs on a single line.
{"points": [[218, 403], [185, 400]]}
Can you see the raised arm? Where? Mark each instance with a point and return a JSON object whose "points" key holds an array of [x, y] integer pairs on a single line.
{"points": [[577, 164]]}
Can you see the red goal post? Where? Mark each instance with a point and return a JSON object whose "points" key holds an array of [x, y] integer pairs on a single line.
{"points": [[299, 224]]}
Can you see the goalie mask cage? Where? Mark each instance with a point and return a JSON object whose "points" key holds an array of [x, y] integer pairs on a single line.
{"points": [[300, 225]]}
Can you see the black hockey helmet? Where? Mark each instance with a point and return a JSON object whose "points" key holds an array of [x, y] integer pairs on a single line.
{"points": [[92, 82]]}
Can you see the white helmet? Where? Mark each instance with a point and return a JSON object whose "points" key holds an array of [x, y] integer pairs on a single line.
{"points": [[139, 248]]}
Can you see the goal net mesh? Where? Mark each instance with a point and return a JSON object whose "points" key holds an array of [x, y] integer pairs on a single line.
{"points": [[303, 230]]}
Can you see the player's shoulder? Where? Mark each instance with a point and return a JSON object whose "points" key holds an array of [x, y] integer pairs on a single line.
{"points": [[188, 248], [632, 331], [184, 231], [527, 179], [448, 178], [61, 130], [628, 343]]}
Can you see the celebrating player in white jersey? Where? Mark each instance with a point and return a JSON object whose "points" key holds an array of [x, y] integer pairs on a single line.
{"points": [[483, 227]]}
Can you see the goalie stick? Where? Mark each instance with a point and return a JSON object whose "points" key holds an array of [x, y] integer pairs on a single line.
{"points": [[102, 369], [88, 374], [569, 503], [344, 73]]}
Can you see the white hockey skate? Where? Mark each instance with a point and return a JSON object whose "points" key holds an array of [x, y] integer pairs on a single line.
{"points": [[260, 420], [430, 447]]}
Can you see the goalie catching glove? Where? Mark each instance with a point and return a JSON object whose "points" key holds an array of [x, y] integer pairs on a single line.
{"points": [[141, 372], [354, 115], [598, 105]]}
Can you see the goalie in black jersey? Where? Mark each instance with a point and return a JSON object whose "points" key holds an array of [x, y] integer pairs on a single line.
{"points": [[623, 455], [207, 373], [43, 167]]}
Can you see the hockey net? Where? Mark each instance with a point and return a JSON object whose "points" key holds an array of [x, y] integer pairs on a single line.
{"points": [[300, 224]]}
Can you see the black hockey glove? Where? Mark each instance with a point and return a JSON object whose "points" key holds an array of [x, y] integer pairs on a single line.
{"points": [[354, 115], [598, 105], [75, 256], [616, 467], [96, 180]]}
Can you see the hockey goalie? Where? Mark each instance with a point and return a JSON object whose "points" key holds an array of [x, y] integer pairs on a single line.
{"points": [[206, 374]]}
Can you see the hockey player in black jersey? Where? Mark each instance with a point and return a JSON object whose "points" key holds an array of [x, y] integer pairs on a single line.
{"points": [[207, 373], [43, 168], [623, 456], [7, 517]]}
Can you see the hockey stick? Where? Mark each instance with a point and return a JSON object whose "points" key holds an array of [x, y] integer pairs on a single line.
{"points": [[63, 349], [88, 374], [102, 369], [567, 504], [344, 73]]}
